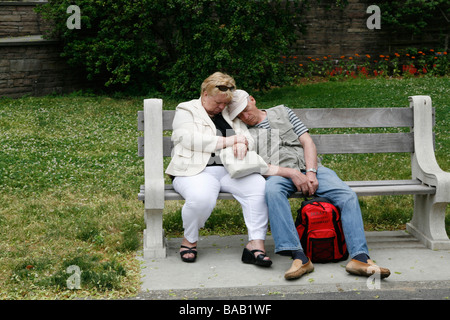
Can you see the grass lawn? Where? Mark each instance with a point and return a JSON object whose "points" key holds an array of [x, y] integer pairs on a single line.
{"points": [[69, 178]]}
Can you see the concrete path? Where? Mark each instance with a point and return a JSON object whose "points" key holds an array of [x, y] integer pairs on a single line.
{"points": [[219, 273]]}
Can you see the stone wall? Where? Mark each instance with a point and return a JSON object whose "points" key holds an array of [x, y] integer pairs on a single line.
{"points": [[343, 32], [30, 65], [19, 19], [35, 69], [337, 31]]}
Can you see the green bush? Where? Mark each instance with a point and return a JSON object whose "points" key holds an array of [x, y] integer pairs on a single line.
{"points": [[172, 45], [415, 16]]}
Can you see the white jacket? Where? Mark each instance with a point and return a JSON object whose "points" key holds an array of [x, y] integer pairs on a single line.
{"points": [[194, 138]]}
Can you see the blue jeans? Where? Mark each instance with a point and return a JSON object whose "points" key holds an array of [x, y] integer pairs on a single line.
{"points": [[330, 186]]}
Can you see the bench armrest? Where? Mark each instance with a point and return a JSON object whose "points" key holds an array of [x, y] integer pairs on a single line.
{"points": [[423, 163], [153, 154]]}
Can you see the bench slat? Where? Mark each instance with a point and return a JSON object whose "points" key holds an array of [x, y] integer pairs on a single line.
{"points": [[332, 118], [394, 190], [364, 143], [364, 183], [362, 188], [355, 117], [338, 143]]}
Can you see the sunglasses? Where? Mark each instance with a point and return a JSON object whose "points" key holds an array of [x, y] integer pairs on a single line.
{"points": [[225, 88]]}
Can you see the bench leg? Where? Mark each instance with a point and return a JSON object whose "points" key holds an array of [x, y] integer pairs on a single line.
{"points": [[428, 222], [154, 241]]}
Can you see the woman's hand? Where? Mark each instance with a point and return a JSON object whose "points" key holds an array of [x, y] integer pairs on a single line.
{"points": [[239, 138], [240, 150], [225, 142]]}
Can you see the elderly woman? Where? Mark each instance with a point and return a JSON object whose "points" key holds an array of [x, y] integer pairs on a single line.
{"points": [[200, 130]]}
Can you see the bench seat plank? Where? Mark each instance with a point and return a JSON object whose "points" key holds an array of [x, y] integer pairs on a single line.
{"points": [[362, 188]]}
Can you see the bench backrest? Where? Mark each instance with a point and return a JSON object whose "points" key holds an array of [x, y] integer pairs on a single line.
{"points": [[334, 118]]}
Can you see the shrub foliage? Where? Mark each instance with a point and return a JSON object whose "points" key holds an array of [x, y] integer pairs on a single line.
{"points": [[416, 16], [172, 45]]}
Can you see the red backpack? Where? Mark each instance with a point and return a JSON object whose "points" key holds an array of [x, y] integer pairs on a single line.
{"points": [[319, 227]]}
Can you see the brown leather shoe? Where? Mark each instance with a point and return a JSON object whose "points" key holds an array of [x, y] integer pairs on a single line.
{"points": [[298, 269], [366, 269]]}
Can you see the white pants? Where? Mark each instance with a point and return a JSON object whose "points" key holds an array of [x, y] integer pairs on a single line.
{"points": [[201, 191]]}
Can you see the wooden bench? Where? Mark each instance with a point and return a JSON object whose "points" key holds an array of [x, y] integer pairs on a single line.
{"points": [[429, 184]]}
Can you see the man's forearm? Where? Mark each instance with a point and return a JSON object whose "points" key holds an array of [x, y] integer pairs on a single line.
{"points": [[279, 171], [310, 155]]}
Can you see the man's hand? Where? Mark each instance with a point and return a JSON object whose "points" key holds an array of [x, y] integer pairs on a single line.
{"points": [[312, 178], [306, 184]]}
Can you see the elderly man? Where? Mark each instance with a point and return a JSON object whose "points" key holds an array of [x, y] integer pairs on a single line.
{"points": [[298, 169]]}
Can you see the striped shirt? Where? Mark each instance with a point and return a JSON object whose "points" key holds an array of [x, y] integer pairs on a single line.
{"points": [[298, 126]]}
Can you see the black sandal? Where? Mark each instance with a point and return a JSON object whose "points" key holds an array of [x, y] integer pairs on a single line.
{"points": [[249, 257], [190, 250]]}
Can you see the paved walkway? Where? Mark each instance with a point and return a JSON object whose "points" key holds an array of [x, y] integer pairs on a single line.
{"points": [[218, 272]]}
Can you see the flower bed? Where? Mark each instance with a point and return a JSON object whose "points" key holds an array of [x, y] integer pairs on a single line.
{"points": [[410, 62]]}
